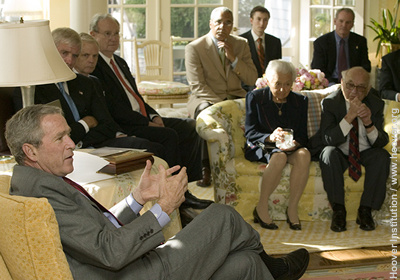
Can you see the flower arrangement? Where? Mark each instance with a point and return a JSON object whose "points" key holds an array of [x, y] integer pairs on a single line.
{"points": [[305, 80], [308, 80]]}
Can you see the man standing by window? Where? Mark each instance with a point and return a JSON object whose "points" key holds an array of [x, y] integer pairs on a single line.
{"points": [[263, 47], [340, 49]]}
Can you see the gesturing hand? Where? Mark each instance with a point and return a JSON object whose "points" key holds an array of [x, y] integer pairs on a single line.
{"points": [[149, 184], [172, 190]]}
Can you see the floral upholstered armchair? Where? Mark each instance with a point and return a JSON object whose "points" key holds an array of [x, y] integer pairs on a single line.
{"points": [[237, 180]]}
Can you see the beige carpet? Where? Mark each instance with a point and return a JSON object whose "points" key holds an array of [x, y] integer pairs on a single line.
{"points": [[315, 236]]}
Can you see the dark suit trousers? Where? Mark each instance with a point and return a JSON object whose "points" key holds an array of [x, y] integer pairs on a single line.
{"points": [[228, 248], [334, 163], [180, 142]]}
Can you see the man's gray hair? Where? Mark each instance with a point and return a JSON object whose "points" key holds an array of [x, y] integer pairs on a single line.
{"points": [[25, 127], [357, 68], [347, 10], [87, 38], [280, 66], [66, 35], [218, 11], [94, 23]]}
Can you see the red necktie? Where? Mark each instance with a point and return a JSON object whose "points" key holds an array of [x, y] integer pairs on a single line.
{"points": [[354, 153], [260, 52], [342, 60], [138, 99], [83, 191]]}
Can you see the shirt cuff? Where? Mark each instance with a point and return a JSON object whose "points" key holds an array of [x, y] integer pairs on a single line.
{"points": [[162, 217], [233, 64], [133, 204], [345, 127], [82, 122], [373, 135]]}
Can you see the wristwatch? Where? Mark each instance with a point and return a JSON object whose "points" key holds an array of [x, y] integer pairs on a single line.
{"points": [[370, 125]]}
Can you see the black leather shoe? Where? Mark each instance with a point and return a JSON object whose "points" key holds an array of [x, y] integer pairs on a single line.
{"points": [[206, 180], [364, 218], [339, 220], [293, 226], [257, 219], [297, 263], [193, 202]]}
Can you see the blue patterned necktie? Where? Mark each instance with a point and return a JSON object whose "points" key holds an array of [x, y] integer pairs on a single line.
{"points": [[70, 102]]}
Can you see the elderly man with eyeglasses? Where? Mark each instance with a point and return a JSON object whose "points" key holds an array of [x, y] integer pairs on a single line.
{"points": [[352, 135]]}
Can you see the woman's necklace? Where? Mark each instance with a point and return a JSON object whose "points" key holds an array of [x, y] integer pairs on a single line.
{"points": [[279, 108]]}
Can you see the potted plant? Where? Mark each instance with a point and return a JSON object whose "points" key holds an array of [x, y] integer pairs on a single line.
{"points": [[388, 33]]}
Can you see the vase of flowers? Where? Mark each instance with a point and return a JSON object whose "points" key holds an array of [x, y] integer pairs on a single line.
{"points": [[309, 80], [305, 80]]}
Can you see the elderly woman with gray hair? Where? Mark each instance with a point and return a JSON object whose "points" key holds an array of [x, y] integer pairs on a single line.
{"points": [[276, 133]]}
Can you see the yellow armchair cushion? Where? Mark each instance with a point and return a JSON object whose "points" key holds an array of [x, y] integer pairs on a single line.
{"points": [[29, 241]]}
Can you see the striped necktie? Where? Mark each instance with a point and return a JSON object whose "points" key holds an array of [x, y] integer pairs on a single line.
{"points": [[354, 153], [260, 52]]}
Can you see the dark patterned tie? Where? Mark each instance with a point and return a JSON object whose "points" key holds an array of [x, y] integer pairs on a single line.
{"points": [[84, 192], [354, 153], [342, 60], [260, 52], [128, 88]]}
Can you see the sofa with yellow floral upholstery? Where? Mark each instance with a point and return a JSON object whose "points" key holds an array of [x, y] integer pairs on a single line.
{"points": [[236, 180], [30, 245]]}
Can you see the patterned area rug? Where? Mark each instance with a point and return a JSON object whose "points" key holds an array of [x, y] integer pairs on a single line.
{"points": [[314, 236]]}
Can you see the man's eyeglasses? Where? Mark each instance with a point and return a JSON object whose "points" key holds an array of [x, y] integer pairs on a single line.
{"points": [[351, 86], [109, 34], [225, 23]]}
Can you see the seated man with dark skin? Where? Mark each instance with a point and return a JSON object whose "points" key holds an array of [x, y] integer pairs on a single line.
{"points": [[120, 243]]}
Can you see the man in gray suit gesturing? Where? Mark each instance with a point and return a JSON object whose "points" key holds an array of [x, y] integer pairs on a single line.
{"points": [[120, 243]]}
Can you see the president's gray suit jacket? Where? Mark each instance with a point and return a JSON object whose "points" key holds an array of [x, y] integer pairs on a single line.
{"points": [[206, 76], [90, 241]]}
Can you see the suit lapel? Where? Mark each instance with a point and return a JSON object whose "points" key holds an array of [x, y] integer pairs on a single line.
{"points": [[353, 49]]}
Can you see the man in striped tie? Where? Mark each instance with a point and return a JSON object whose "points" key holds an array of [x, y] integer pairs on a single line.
{"points": [[263, 47], [353, 135]]}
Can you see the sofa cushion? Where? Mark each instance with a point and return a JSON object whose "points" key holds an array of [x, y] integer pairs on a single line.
{"points": [[314, 107], [162, 88], [30, 241]]}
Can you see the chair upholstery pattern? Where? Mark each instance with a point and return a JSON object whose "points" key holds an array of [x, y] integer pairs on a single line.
{"points": [[30, 243], [237, 180]]}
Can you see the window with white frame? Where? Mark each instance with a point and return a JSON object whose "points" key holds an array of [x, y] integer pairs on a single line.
{"points": [[296, 22]]}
